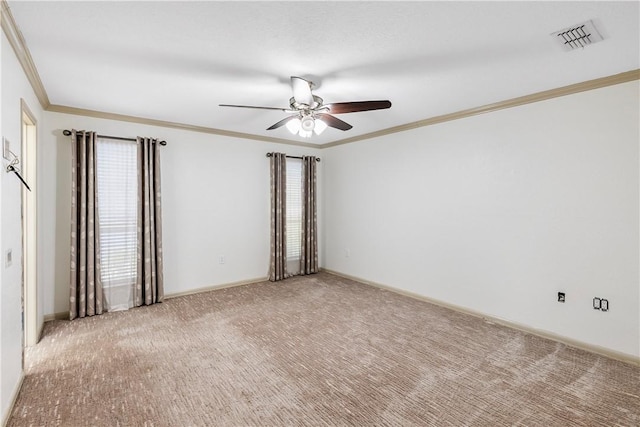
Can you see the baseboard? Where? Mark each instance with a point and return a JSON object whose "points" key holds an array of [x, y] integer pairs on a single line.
{"points": [[603, 351], [40, 329], [14, 397], [215, 287], [63, 315]]}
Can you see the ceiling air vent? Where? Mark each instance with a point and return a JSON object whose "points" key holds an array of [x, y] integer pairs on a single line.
{"points": [[577, 36]]}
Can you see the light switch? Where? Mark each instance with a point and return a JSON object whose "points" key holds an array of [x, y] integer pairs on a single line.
{"points": [[6, 148]]}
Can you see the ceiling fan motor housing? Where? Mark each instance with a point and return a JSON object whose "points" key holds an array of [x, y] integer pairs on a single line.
{"points": [[316, 104]]}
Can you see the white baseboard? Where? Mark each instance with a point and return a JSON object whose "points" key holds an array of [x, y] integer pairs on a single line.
{"points": [[603, 351], [63, 315], [14, 397], [40, 329], [214, 287]]}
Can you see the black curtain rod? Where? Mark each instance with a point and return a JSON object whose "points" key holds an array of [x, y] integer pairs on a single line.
{"points": [[67, 132], [292, 157]]}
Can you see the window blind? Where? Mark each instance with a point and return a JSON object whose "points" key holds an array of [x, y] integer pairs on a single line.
{"points": [[117, 183], [294, 208]]}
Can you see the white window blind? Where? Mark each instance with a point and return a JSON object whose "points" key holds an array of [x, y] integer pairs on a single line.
{"points": [[117, 183], [294, 208]]}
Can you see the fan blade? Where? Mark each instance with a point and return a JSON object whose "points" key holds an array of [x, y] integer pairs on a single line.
{"points": [[353, 107], [259, 108], [333, 122], [282, 122], [301, 91]]}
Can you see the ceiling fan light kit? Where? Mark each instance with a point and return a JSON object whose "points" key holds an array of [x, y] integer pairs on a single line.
{"points": [[310, 114], [306, 126]]}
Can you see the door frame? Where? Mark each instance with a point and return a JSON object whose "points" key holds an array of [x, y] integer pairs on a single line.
{"points": [[28, 141]]}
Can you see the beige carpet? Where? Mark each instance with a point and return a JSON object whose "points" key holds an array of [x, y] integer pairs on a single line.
{"points": [[315, 351]]}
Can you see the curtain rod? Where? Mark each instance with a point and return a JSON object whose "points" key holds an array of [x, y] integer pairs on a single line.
{"points": [[67, 132], [292, 157]]}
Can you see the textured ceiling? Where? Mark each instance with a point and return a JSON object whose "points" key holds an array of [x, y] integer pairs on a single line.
{"points": [[176, 61]]}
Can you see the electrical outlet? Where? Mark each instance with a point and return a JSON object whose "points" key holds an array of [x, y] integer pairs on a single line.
{"points": [[561, 297], [596, 303], [604, 304], [221, 259], [8, 259]]}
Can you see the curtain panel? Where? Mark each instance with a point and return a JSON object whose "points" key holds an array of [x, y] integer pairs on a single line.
{"points": [[309, 231], [86, 297], [149, 286], [278, 262]]}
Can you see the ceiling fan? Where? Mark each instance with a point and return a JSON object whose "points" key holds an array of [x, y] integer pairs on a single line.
{"points": [[309, 114]]}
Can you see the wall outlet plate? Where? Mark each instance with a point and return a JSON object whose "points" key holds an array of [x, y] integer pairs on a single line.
{"points": [[8, 258], [596, 303], [604, 304]]}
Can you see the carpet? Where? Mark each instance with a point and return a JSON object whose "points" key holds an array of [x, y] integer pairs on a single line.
{"points": [[318, 350]]}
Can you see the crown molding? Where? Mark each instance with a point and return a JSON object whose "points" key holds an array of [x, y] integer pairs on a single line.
{"points": [[17, 42], [174, 125], [615, 79]]}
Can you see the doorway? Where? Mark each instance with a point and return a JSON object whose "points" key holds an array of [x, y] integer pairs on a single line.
{"points": [[29, 227]]}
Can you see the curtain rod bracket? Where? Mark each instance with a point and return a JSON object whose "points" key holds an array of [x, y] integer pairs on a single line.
{"points": [[67, 132]]}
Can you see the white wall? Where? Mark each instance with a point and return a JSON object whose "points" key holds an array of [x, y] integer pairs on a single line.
{"points": [[215, 200], [15, 87], [498, 212]]}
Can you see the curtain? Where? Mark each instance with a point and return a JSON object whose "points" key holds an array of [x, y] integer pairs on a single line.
{"points": [[278, 263], [149, 287], [85, 297], [309, 232]]}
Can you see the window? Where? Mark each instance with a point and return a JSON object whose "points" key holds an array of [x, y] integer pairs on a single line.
{"points": [[294, 208], [117, 183]]}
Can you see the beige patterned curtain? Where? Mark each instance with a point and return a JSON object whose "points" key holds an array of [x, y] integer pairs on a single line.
{"points": [[85, 297], [309, 232], [149, 287], [278, 264]]}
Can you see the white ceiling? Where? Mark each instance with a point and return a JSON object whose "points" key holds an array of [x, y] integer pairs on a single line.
{"points": [[176, 61]]}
